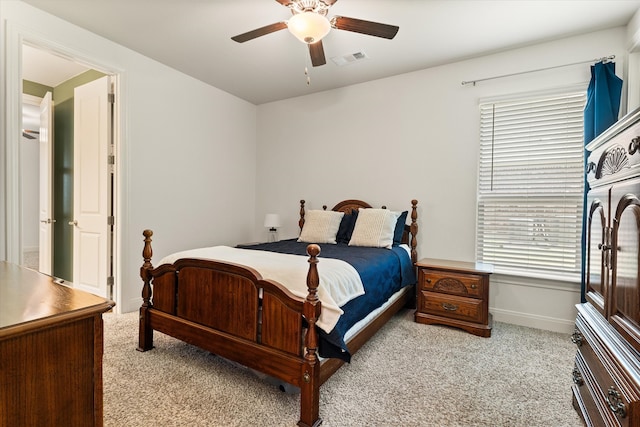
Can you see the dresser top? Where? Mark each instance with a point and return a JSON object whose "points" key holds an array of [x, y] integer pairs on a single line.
{"points": [[450, 265], [29, 298]]}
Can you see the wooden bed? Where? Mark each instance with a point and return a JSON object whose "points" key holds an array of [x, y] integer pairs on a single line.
{"points": [[257, 323]]}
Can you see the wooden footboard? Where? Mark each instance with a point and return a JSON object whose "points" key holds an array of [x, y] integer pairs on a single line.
{"points": [[230, 310]]}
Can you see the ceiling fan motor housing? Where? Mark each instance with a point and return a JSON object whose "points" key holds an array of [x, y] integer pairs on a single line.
{"points": [[315, 6]]}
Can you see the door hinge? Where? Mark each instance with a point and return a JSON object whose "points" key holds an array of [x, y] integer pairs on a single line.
{"points": [[111, 159], [111, 220], [112, 98], [110, 281]]}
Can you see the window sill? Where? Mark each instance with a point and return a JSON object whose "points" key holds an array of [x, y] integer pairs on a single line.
{"points": [[547, 280]]}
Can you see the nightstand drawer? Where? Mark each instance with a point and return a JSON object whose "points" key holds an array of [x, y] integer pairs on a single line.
{"points": [[451, 306], [451, 283]]}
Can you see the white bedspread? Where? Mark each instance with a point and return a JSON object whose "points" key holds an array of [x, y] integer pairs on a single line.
{"points": [[339, 281]]}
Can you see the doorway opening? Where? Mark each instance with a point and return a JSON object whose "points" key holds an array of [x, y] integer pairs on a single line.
{"points": [[51, 202]]}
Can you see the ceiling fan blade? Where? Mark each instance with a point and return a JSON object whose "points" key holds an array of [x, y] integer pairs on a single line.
{"points": [[317, 54], [329, 3], [364, 27], [27, 135], [285, 2], [250, 35]]}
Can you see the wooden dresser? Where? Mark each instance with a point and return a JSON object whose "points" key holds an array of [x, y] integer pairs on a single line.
{"points": [[51, 344], [454, 293], [606, 376]]}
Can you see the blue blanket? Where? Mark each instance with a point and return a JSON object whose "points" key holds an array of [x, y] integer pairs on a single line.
{"points": [[383, 272]]}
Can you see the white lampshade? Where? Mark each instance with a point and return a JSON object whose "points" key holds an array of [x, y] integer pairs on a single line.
{"points": [[272, 220], [309, 27]]}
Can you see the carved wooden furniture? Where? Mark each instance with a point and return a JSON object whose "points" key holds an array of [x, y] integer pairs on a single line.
{"points": [[454, 293], [51, 344], [230, 310], [606, 376]]}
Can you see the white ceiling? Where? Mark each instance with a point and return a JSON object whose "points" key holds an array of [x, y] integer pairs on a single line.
{"points": [[193, 36], [47, 69]]}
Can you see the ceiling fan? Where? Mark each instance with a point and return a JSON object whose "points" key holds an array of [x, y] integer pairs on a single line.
{"points": [[310, 24]]}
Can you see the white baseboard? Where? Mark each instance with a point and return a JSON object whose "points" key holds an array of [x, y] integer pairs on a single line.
{"points": [[533, 321]]}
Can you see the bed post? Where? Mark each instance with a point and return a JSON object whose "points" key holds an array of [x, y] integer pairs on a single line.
{"points": [[145, 337], [310, 385], [301, 221], [414, 230]]}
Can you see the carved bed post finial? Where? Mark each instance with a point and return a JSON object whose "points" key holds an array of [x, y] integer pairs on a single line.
{"points": [[147, 253], [301, 222], [313, 280], [310, 385], [145, 333], [312, 303], [414, 230]]}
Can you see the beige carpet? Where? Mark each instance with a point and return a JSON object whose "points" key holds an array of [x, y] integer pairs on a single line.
{"points": [[408, 375]]}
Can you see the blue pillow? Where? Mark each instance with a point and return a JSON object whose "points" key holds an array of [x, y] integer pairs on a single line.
{"points": [[346, 227], [397, 234]]}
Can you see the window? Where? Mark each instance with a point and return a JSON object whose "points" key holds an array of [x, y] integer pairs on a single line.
{"points": [[530, 185]]}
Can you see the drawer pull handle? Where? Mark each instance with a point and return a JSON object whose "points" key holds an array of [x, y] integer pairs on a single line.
{"points": [[449, 307], [615, 402], [604, 247], [474, 286], [577, 377], [428, 280], [576, 337]]}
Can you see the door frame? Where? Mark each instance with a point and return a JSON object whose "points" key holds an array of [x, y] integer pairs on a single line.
{"points": [[16, 37], [45, 196]]}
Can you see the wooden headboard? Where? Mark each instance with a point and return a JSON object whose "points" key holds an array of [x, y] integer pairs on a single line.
{"points": [[347, 206]]}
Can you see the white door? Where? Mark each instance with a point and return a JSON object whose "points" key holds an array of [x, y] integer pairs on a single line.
{"points": [[46, 206], [91, 187]]}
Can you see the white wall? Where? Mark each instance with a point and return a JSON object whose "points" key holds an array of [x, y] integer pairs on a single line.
{"points": [[416, 136], [186, 156], [30, 176], [633, 47]]}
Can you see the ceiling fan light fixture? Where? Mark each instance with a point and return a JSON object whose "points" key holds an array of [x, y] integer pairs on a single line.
{"points": [[309, 27]]}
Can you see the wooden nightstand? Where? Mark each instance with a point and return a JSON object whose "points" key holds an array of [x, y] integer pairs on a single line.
{"points": [[454, 293]]}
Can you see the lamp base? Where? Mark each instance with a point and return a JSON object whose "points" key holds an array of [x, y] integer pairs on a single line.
{"points": [[273, 235]]}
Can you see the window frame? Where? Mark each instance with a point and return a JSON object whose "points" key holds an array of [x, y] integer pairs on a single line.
{"points": [[559, 274]]}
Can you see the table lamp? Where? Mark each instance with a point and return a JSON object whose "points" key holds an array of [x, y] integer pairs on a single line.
{"points": [[272, 222]]}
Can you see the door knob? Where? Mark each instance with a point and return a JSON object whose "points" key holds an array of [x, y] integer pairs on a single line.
{"points": [[47, 221], [74, 222]]}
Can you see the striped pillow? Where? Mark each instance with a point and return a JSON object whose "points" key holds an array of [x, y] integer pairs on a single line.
{"points": [[374, 228], [320, 226]]}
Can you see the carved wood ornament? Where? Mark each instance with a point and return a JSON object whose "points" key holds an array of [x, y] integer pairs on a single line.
{"points": [[612, 161], [450, 285]]}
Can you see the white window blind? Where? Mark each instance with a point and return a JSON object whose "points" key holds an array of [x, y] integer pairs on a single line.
{"points": [[530, 185]]}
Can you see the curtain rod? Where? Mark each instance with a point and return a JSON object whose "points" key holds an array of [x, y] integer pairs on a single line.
{"points": [[603, 59]]}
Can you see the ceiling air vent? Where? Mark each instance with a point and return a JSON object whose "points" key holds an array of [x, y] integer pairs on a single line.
{"points": [[348, 59]]}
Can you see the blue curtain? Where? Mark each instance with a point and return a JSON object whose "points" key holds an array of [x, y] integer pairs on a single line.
{"points": [[600, 112]]}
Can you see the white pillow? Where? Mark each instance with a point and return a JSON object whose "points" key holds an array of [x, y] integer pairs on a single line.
{"points": [[375, 228], [320, 226]]}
